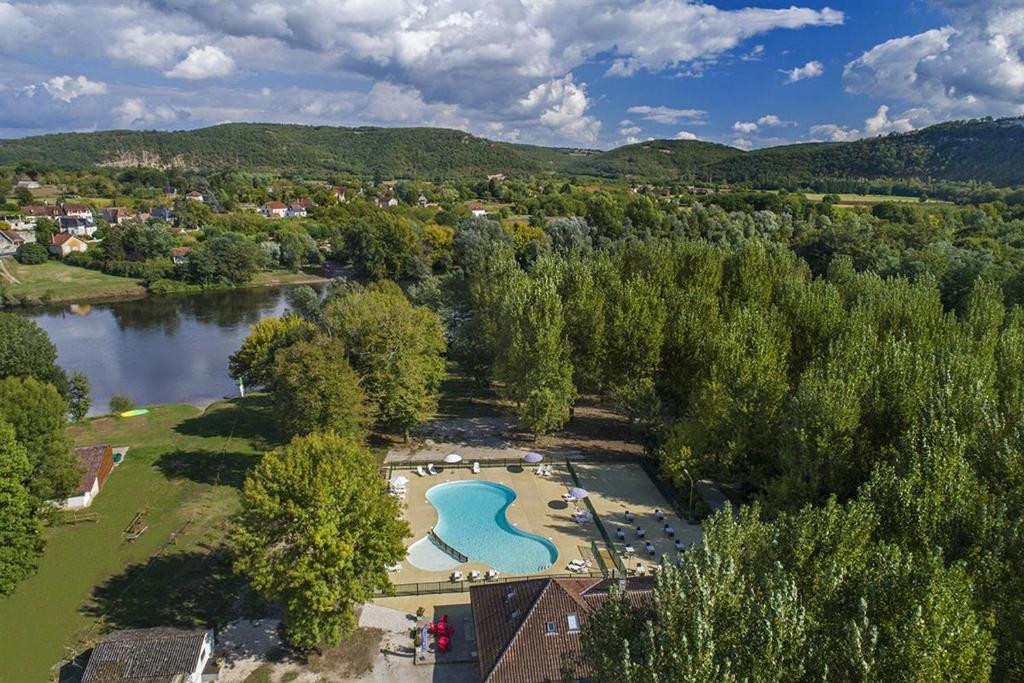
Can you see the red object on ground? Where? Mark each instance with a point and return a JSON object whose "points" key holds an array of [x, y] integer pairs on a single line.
{"points": [[443, 643]]}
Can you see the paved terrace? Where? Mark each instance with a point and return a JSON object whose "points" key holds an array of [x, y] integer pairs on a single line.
{"points": [[614, 488]]}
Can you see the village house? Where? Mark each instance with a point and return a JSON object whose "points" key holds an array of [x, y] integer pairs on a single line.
{"points": [[179, 255], [422, 200], [32, 212], [63, 244], [477, 210], [386, 201], [9, 242], [76, 211], [28, 184], [162, 213], [116, 215], [296, 210], [529, 631], [74, 225], [274, 209], [170, 191], [153, 655], [340, 193], [195, 196], [98, 462], [19, 223]]}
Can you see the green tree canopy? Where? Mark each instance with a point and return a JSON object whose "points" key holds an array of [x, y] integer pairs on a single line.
{"points": [[253, 363], [315, 533], [21, 540], [315, 389]]}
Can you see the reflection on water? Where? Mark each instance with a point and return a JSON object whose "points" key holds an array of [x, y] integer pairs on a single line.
{"points": [[162, 349]]}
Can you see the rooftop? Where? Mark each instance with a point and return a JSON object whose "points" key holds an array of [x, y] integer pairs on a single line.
{"points": [[150, 655]]}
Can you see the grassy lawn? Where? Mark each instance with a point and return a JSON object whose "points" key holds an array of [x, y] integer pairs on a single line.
{"points": [[285, 277], [56, 282], [182, 472], [870, 199]]}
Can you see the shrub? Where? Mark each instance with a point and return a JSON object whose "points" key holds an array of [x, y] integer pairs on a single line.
{"points": [[119, 403], [31, 254]]}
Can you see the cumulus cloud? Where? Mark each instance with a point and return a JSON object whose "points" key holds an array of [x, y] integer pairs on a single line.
{"points": [[831, 132], [972, 66], [685, 135], [16, 29], [743, 143], [204, 62], [156, 49], [773, 121], [744, 126], [880, 123], [811, 69], [66, 88], [560, 105], [133, 111], [668, 115]]}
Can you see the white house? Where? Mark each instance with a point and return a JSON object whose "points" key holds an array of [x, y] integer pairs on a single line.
{"points": [[477, 210], [274, 209], [9, 242], [80, 227], [195, 196], [28, 184], [386, 201], [77, 211], [340, 192], [153, 654]]}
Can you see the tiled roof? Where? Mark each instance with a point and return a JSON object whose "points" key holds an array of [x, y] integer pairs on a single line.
{"points": [[150, 655], [511, 619], [60, 238], [276, 205], [97, 461]]}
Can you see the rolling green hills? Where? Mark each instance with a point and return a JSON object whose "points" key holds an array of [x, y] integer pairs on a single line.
{"points": [[982, 150]]}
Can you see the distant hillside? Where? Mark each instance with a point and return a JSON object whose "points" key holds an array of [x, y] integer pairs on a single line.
{"points": [[392, 152], [982, 150]]}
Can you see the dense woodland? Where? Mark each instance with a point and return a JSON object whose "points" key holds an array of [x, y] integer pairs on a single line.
{"points": [[977, 151]]}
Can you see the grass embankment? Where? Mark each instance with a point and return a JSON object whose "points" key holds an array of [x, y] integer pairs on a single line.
{"points": [[56, 282], [871, 199], [182, 473]]}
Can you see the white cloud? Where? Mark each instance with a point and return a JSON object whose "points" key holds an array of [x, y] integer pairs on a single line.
{"points": [[629, 130], [811, 69], [755, 55], [203, 62], [156, 49], [16, 29], [744, 126], [685, 135], [66, 88], [742, 143], [880, 123], [668, 115], [561, 105], [133, 111], [773, 121], [831, 132], [973, 66]]}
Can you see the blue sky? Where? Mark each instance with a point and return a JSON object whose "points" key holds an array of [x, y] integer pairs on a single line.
{"points": [[565, 72]]}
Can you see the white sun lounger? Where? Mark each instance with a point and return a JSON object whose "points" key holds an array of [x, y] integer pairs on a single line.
{"points": [[474, 575], [419, 471], [539, 470], [431, 469], [476, 468], [394, 567], [491, 574], [456, 576]]}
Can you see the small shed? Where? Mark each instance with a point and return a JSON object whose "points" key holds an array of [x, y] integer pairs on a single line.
{"points": [[98, 462]]}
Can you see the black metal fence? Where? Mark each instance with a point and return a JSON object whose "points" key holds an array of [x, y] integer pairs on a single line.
{"points": [[439, 587], [461, 557]]}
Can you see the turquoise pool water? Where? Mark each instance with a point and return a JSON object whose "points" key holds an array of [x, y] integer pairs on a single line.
{"points": [[471, 519]]}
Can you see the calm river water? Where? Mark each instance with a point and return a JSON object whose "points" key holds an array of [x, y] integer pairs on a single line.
{"points": [[161, 349]]}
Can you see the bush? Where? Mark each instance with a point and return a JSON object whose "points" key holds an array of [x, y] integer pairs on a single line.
{"points": [[31, 254], [119, 403]]}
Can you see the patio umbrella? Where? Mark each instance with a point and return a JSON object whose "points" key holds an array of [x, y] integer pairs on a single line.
{"points": [[399, 481], [453, 458], [578, 493], [533, 458]]}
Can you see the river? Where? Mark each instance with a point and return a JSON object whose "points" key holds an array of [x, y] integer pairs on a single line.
{"points": [[160, 349]]}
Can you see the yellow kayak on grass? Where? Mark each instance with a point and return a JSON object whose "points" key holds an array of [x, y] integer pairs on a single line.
{"points": [[133, 413]]}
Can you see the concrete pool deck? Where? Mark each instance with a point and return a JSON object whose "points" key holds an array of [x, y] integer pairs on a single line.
{"points": [[614, 488]]}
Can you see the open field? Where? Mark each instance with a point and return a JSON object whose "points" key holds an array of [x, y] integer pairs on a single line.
{"points": [[56, 282], [182, 473], [871, 199]]}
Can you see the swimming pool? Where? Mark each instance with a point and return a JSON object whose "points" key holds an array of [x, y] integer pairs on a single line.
{"points": [[471, 519]]}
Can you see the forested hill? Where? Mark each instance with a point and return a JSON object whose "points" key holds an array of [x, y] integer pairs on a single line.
{"points": [[391, 152], [983, 150]]}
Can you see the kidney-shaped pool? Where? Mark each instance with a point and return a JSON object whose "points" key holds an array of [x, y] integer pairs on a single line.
{"points": [[471, 519]]}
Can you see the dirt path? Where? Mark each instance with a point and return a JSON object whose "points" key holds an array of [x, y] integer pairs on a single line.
{"points": [[6, 274]]}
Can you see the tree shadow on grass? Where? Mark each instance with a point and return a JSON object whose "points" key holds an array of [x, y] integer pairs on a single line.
{"points": [[207, 467], [249, 419], [187, 589]]}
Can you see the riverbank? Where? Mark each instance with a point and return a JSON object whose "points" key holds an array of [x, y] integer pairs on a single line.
{"points": [[181, 475], [55, 282]]}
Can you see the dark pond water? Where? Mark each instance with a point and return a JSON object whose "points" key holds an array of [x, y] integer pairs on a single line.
{"points": [[161, 349]]}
